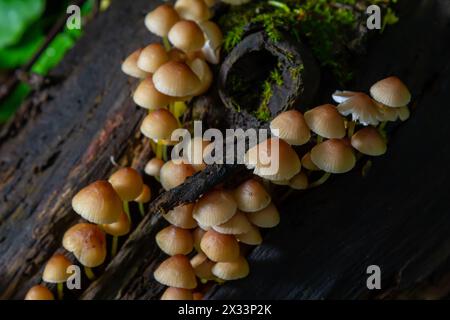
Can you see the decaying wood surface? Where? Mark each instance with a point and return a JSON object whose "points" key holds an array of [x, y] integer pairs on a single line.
{"points": [[396, 217]]}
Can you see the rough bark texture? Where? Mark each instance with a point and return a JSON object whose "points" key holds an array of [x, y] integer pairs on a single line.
{"points": [[396, 217]]}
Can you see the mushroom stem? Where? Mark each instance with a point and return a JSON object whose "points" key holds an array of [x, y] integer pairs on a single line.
{"points": [[159, 150], [320, 181], [319, 139], [89, 273], [351, 128], [114, 245], [166, 43], [60, 289], [382, 129], [126, 208], [165, 153], [141, 208]]}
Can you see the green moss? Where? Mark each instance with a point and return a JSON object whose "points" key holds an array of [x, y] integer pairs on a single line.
{"points": [[296, 71], [263, 112]]}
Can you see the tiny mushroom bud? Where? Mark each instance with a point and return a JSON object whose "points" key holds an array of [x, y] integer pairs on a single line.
{"points": [[362, 109], [265, 218], [299, 182], [176, 79], [152, 57], [252, 237], [173, 240], [177, 272], [87, 242], [214, 208], [326, 121], [369, 141], [172, 293], [153, 167], [237, 225], [219, 247], [181, 216], [146, 96], [127, 182], [291, 127], [159, 125], [391, 92], [333, 156], [202, 266], [98, 203], [161, 20], [173, 174], [196, 10], [187, 36], [130, 67], [231, 270], [55, 270], [251, 196], [39, 292]]}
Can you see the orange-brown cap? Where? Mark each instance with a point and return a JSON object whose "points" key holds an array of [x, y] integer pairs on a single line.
{"points": [[177, 55], [195, 10], [172, 293], [299, 182], [291, 127], [159, 125], [252, 237], [129, 66], [55, 270], [326, 121], [153, 167], [87, 243], [231, 270], [391, 92], [236, 225], [251, 196], [161, 20], [219, 247], [362, 109], [198, 234], [146, 96], [173, 240], [181, 216], [333, 156], [308, 164], [204, 73], [173, 174], [119, 228], [176, 79], [177, 272], [127, 182], [198, 296], [369, 141], [214, 208], [152, 57], [98, 203], [39, 292], [145, 195], [265, 218], [186, 35]]}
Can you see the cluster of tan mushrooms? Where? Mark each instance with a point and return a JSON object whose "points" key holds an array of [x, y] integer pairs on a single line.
{"points": [[205, 239]]}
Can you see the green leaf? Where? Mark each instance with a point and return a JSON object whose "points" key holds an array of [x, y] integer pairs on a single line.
{"points": [[15, 17]]}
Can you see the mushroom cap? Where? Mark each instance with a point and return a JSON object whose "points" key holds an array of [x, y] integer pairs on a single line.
{"points": [[265, 218], [213, 43], [161, 20], [251, 196], [252, 237], [236, 225], [280, 182], [177, 55], [55, 270], [198, 234], [176, 79], [187, 36], [403, 113], [299, 182], [127, 182], [181, 216], [173, 174], [146, 96], [195, 10], [194, 151], [232, 270], [333, 156], [39, 292], [173, 240], [341, 96], [145, 196], [177, 272], [214, 208], [219, 247], [391, 92], [204, 73], [282, 165], [159, 125], [87, 243], [172, 293], [387, 113], [326, 121], [369, 141], [152, 57], [153, 167], [129, 66], [362, 108], [202, 266], [198, 296], [119, 228], [98, 203], [308, 164], [291, 127]]}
